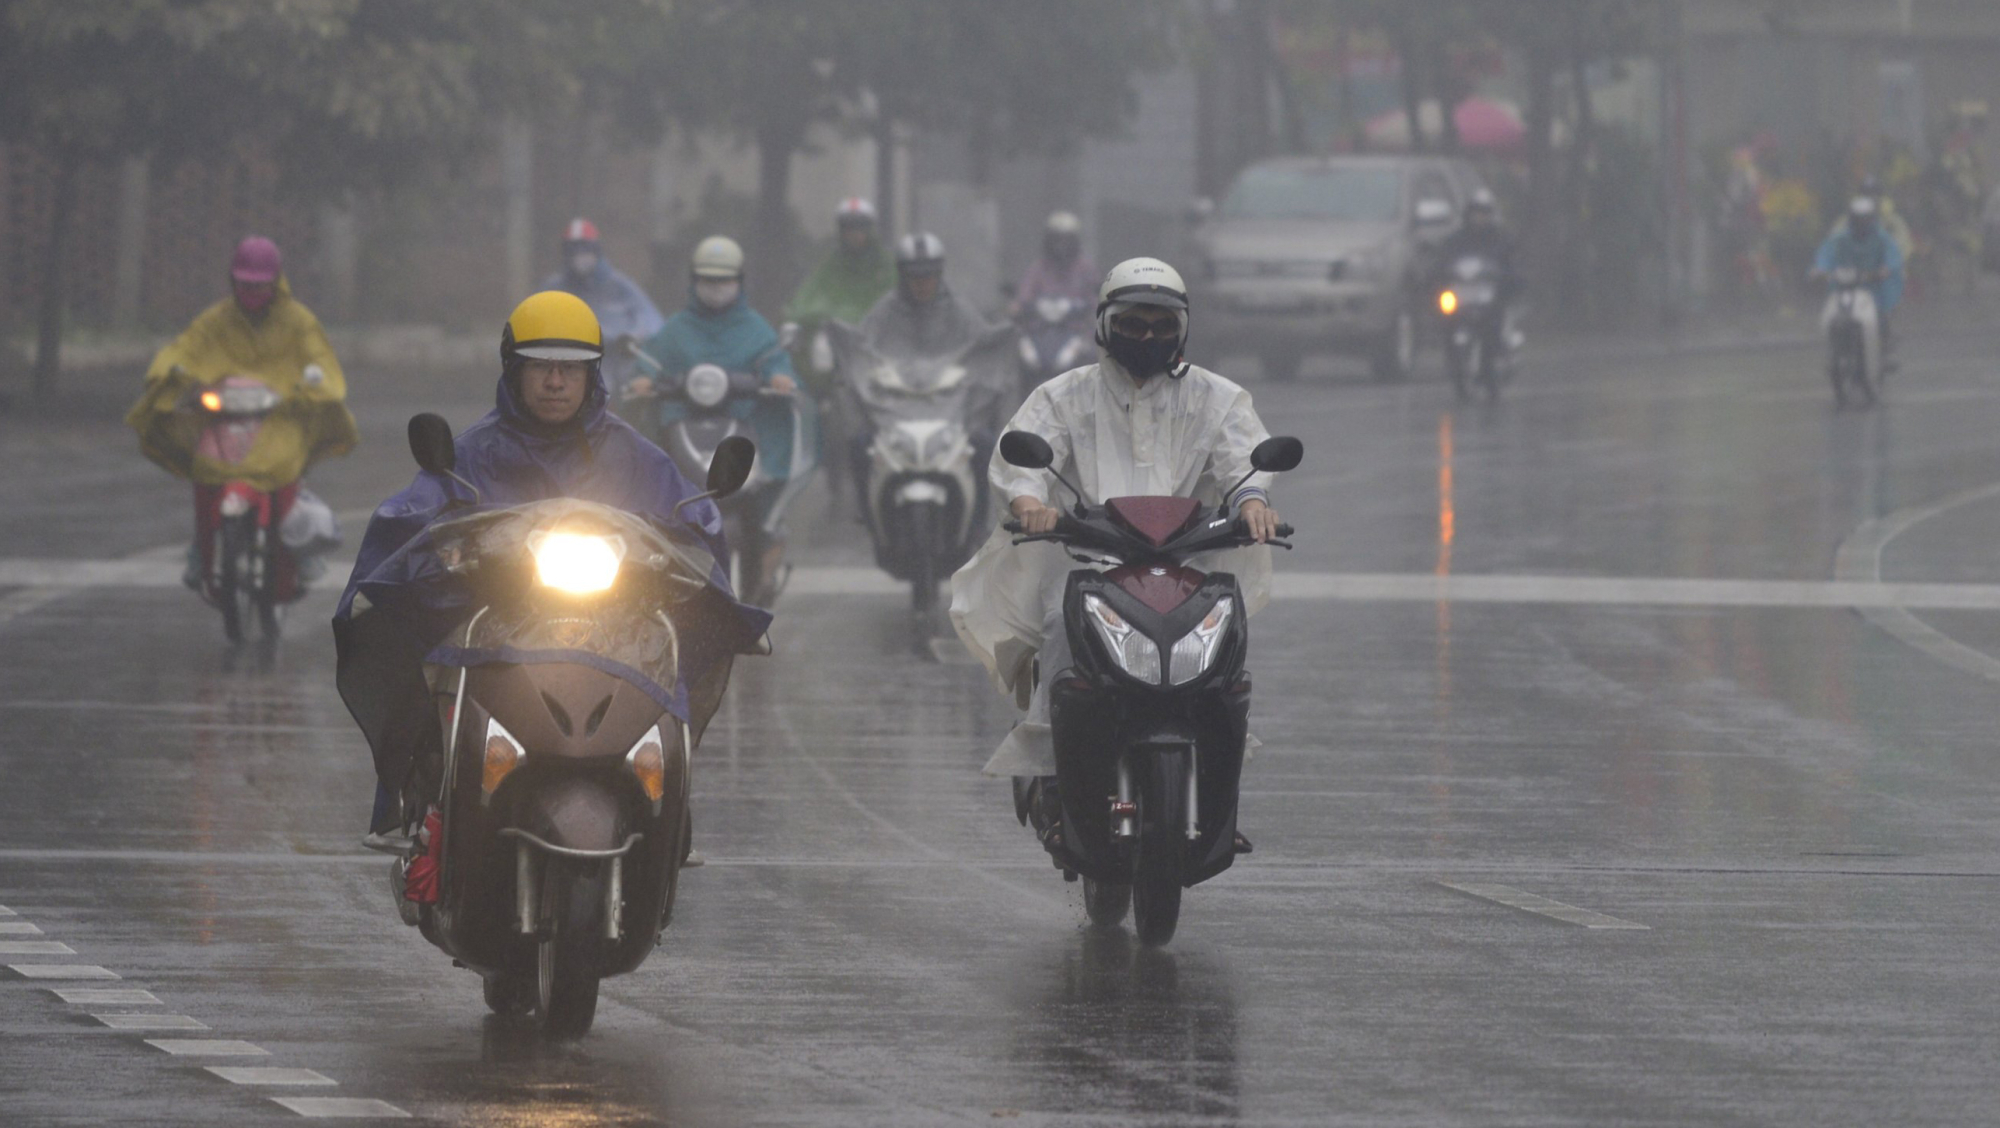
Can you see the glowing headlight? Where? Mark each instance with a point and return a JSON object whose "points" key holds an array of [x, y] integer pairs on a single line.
{"points": [[502, 755], [1136, 654], [1448, 302], [707, 385], [212, 400], [1196, 650], [577, 563]]}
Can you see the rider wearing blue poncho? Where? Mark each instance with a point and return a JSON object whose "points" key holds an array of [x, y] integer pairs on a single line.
{"points": [[623, 310], [549, 436]]}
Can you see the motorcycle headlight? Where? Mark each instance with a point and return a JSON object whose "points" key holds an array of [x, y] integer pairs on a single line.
{"points": [[1195, 651], [647, 761], [502, 755], [1136, 654], [707, 385], [1448, 302], [577, 563]]}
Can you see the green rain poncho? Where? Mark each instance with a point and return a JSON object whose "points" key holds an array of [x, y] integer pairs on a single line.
{"points": [[845, 286]]}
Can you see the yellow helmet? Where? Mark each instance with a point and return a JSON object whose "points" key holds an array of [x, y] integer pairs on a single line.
{"points": [[552, 325]]}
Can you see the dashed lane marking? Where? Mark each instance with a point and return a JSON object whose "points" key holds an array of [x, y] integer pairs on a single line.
{"points": [[208, 1047], [1541, 906], [62, 971], [346, 1108], [7, 912], [268, 1075], [150, 1021], [35, 948], [104, 996], [18, 928]]}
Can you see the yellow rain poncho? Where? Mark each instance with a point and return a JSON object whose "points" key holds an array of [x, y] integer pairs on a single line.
{"points": [[311, 424]]}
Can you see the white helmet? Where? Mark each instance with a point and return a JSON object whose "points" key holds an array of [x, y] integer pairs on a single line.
{"points": [[1142, 281], [1063, 223], [854, 210], [919, 253], [718, 256]]}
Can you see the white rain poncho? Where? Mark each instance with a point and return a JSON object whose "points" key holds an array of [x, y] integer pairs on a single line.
{"points": [[1113, 437]]}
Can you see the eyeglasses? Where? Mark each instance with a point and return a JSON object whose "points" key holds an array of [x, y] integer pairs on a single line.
{"points": [[1139, 327]]}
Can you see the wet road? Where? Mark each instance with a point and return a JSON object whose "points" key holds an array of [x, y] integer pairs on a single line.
{"points": [[1544, 851]]}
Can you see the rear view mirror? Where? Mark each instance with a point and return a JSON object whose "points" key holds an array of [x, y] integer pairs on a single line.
{"points": [[730, 467], [1277, 455], [1434, 212], [1027, 450], [431, 443], [788, 335]]}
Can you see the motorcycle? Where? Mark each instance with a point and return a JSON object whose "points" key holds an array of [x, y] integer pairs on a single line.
{"points": [[1853, 337], [923, 473], [1479, 345], [555, 823], [692, 415], [1054, 339], [245, 571], [1150, 722]]}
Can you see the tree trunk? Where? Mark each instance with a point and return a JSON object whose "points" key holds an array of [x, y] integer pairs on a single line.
{"points": [[1576, 265], [1444, 87], [884, 130], [1541, 120], [771, 250], [1408, 57], [55, 256]]}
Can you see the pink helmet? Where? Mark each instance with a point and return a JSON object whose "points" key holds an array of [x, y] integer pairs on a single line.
{"points": [[580, 230], [257, 260]]}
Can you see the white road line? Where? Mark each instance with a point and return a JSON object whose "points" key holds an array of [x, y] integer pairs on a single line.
{"points": [[208, 1047], [35, 948], [150, 1021], [1541, 906], [345, 1108], [7, 912], [18, 928], [44, 575], [1859, 559], [62, 971], [102, 996], [268, 1075]]}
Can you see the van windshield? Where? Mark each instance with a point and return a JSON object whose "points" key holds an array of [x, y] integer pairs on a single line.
{"points": [[1362, 195]]}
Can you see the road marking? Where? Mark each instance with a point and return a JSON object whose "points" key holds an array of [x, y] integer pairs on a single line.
{"points": [[150, 1022], [18, 928], [62, 971], [1859, 559], [268, 1075], [350, 1108], [211, 1047], [1541, 906], [7, 912], [35, 948], [100, 996]]}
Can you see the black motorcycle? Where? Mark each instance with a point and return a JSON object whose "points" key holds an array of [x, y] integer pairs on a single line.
{"points": [[1150, 722], [1478, 348], [555, 823]]}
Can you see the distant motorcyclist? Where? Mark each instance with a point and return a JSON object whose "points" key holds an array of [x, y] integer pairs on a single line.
{"points": [[1481, 236], [1865, 247], [921, 317], [263, 332], [1142, 421], [1893, 224], [848, 283], [622, 308], [718, 327], [549, 436], [1062, 270]]}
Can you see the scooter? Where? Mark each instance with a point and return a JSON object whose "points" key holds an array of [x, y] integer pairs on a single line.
{"points": [[245, 572], [1479, 345], [692, 415], [929, 419], [1853, 337], [1150, 722], [1054, 339], [551, 832]]}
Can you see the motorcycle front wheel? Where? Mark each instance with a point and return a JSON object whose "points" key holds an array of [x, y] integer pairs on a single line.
{"points": [[1156, 863], [566, 959], [1106, 902], [232, 592]]}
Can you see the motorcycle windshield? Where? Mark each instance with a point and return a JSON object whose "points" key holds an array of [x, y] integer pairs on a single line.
{"points": [[893, 388], [577, 582]]}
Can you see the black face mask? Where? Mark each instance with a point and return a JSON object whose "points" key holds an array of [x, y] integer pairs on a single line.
{"points": [[1143, 359]]}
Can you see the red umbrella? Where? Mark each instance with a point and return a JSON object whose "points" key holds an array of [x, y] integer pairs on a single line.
{"points": [[1483, 123]]}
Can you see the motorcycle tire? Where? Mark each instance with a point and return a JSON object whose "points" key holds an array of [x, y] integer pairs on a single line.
{"points": [[1106, 902], [566, 959], [1157, 860], [923, 565], [230, 588], [270, 613]]}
